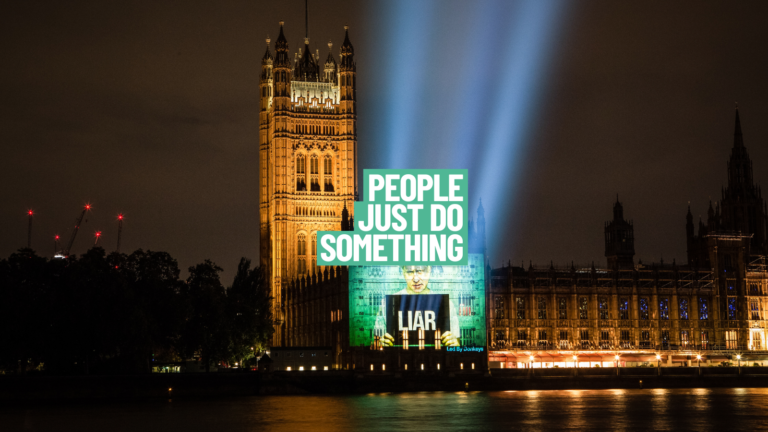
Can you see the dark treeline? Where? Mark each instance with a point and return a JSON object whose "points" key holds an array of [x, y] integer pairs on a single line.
{"points": [[119, 313]]}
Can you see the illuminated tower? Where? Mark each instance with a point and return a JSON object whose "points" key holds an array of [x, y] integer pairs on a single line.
{"points": [[307, 158]]}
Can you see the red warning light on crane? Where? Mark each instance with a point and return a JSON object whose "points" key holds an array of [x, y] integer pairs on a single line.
{"points": [[120, 216], [30, 212]]}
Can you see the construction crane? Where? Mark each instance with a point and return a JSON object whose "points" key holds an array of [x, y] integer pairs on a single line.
{"points": [[79, 221], [97, 234], [56, 245], [119, 231], [30, 213]]}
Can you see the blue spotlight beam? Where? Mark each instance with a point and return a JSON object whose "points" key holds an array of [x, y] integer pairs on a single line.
{"points": [[457, 85]]}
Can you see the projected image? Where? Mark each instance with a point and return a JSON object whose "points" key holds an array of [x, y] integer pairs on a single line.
{"points": [[418, 307]]}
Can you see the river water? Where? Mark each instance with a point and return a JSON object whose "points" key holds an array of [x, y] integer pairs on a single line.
{"points": [[655, 409]]}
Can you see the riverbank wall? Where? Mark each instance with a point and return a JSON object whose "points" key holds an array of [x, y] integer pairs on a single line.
{"points": [[170, 386]]}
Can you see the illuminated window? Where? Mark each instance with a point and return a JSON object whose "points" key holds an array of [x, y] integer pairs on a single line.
{"points": [[498, 307], [731, 339], [288, 368], [520, 308], [542, 307], [563, 339], [383, 366], [624, 335], [406, 366], [438, 366], [522, 336], [624, 308], [645, 339], [325, 368], [732, 308], [314, 368], [473, 366], [421, 339], [562, 308], [664, 308], [665, 337], [301, 368], [461, 366], [754, 309], [301, 169], [602, 305], [405, 339], [703, 308], [437, 339], [684, 338], [704, 339], [542, 336], [301, 252], [643, 308], [753, 289], [422, 366], [683, 308], [584, 337], [583, 308]]}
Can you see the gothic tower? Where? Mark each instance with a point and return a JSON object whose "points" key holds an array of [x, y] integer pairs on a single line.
{"points": [[619, 240], [307, 158], [742, 204]]}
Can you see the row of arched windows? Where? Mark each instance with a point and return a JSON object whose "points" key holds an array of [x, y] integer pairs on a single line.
{"points": [[315, 129], [309, 211], [314, 168]]}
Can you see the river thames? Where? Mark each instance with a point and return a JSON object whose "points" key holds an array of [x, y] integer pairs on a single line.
{"points": [[655, 409]]}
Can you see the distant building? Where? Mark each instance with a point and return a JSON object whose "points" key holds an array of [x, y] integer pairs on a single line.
{"points": [[714, 306]]}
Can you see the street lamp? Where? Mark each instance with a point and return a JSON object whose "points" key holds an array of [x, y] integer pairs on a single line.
{"points": [[738, 357], [698, 362], [617, 364], [532, 359], [658, 367], [575, 361]]}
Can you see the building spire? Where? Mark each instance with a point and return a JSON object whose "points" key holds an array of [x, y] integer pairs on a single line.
{"points": [[738, 140]]}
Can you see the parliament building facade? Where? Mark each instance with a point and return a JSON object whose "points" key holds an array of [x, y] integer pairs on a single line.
{"points": [[714, 306]]}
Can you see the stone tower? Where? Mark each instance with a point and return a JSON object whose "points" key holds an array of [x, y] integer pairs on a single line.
{"points": [[619, 240], [307, 158]]}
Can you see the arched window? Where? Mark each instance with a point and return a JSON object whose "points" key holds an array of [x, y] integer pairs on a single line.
{"points": [[302, 251], [328, 173], [301, 169], [314, 165], [313, 251]]}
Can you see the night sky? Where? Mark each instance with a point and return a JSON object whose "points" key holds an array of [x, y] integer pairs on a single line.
{"points": [[151, 109]]}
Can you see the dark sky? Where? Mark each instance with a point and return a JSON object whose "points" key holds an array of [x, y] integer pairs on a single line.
{"points": [[150, 109]]}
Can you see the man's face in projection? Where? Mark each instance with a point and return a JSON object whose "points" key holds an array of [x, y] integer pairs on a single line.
{"points": [[417, 278]]}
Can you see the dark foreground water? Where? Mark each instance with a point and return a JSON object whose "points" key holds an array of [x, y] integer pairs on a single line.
{"points": [[688, 409]]}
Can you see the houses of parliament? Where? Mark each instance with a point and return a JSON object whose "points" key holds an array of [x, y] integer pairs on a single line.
{"points": [[711, 308]]}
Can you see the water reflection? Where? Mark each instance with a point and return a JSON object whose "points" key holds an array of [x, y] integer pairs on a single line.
{"points": [[655, 409]]}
